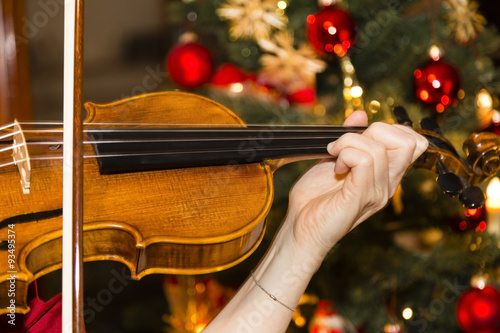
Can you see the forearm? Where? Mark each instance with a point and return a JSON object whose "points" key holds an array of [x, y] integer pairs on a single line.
{"points": [[283, 273]]}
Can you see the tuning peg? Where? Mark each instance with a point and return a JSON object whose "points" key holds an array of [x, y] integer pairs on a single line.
{"points": [[430, 124], [448, 181], [472, 197], [453, 185], [402, 116]]}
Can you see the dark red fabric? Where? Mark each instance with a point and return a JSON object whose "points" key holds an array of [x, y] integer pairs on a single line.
{"points": [[44, 317]]}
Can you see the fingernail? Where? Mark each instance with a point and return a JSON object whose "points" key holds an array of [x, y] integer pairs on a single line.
{"points": [[330, 146]]}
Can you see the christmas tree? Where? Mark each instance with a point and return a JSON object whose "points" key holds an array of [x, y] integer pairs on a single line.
{"points": [[425, 263]]}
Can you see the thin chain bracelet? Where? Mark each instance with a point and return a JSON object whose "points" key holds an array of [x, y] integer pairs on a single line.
{"points": [[269, 294]]}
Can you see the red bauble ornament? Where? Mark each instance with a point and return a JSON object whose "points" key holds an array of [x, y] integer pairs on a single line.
{"points": [[327, 320], [437, 84], [331, 30], [190, 65], [478, 311], [228, 74], [303, 96], [474, 220]]}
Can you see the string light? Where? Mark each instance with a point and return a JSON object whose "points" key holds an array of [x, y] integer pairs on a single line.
{"points": [[282, 5], [356, 91], [479, 281], [352, 91], [407, 313], [484, 100], [374, 106], [495, 117], [484, 104], [236, 87], [435, 52]]}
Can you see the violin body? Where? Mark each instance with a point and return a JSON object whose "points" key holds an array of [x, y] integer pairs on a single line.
{"points": [[179, 221]]}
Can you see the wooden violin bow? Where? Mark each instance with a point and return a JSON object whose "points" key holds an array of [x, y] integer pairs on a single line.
{"points": [[72, 240]]}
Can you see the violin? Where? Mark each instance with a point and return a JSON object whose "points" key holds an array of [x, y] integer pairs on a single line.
{"points": [[172, 191]]}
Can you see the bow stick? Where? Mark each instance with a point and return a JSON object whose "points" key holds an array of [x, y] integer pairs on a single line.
{"points": [[72, 254]]}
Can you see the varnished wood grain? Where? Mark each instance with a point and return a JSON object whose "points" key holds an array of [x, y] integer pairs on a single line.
{"points": [[185, 221]]}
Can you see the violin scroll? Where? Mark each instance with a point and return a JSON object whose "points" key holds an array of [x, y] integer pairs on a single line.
{"points": [[457, 176], [482, 150]]}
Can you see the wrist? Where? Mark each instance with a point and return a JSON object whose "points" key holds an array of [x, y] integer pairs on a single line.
{"points": [[302, 258]]}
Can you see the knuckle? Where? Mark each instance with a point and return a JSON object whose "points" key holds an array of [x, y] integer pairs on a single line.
{"points": [[348, 137], [379, 126], [378, 149], [367, 160]]}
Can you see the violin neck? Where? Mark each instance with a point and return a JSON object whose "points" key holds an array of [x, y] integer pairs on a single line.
{"points": [[134, 150]]}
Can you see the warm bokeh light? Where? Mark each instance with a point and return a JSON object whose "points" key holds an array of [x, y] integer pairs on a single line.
{"points": [[236, 87], [424, 95], [435, 53], [374, 106], [282, 5], [407, 313], [319, 110], [300, 321], [484, 100], [479, 281], [495, 117], [356, 91]]}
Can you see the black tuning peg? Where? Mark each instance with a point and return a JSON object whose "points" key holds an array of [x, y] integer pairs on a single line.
{"points": [[472, 197], [448, 181], [453, 185], [402, 116], [430, 124]]}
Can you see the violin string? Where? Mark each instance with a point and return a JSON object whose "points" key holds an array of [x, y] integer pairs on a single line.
{"points": [[146, 141], [218, 130], [7, 126], [11, 147], [173, 125], [41, 123], [9, 135], [180, 152], [204, 127], [179, 128], [7, 164]]}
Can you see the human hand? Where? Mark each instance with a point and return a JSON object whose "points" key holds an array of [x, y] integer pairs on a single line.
{"points": [[337, 194]]}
